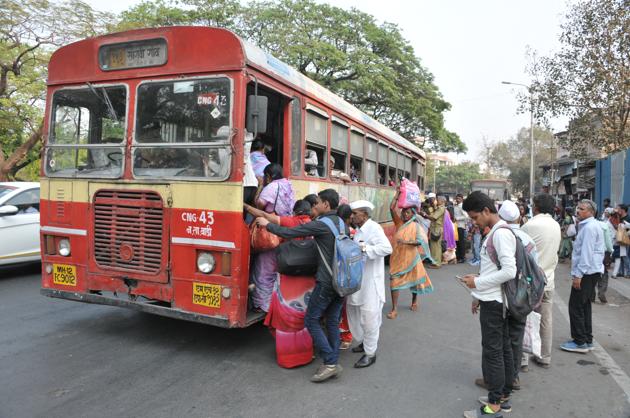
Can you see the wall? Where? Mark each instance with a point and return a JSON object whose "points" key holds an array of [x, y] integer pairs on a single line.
{"points": [[612, 179]]}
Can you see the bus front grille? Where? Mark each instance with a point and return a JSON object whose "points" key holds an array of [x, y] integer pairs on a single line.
{"points": [[128, 230]]}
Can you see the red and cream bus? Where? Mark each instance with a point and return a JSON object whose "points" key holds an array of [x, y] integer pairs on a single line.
{"points": [[142, 172]]}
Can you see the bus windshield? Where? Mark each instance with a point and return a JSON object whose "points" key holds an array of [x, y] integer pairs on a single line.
{"points": [[183, 129], [87, 132]]}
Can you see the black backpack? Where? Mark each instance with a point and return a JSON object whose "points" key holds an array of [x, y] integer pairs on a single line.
{"points": [[524, 293], [297, 258]]}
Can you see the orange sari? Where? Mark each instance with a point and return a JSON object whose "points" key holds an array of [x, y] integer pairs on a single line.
{"points": [[405, 263]]}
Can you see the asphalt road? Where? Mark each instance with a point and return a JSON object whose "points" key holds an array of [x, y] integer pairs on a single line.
{"points": [[66, 359]]}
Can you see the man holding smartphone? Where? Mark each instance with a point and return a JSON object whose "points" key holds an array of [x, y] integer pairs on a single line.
{"points": [[497, 363]]}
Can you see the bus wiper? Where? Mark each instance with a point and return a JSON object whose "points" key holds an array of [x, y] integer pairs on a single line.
{"points": [[105, 99]]}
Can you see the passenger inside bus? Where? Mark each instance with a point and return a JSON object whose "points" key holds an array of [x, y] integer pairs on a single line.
{"points": [[259, 158], [274, 132], [336, 171], [311, 163]]}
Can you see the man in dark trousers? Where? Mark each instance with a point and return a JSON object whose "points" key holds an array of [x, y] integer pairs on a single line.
{"points": [[587, 266], [497, 362], [324, 301]]}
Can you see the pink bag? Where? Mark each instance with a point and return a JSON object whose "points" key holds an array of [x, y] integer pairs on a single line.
{"points": [[409, 194]]}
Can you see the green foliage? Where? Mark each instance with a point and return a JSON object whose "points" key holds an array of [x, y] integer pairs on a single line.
{"points": [[456, 178], [29, 31], [587, 80], [369, 64], [512, 157]]}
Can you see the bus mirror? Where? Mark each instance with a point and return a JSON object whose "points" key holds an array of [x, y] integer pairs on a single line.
{"points": [[257, 114]]}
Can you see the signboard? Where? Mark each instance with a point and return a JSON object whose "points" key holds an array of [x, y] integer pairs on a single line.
{"points": [[137, 54]]}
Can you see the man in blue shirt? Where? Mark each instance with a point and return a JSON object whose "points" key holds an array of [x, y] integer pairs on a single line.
{"points": [[587, 266]]}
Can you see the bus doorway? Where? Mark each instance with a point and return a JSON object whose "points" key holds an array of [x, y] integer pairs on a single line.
{"points": [[273, 136]]}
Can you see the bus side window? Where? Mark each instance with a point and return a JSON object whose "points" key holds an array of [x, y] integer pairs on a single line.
{"points": [[316, 141]]}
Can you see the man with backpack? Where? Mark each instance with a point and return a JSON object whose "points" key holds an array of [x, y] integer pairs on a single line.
{"points": [[587, 266], [497, 362], [324, 302]]}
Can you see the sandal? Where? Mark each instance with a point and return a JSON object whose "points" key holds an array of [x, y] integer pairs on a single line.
{"points": [[392, 315], [414, 307]]}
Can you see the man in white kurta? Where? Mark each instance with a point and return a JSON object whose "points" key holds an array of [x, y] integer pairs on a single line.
{"points": [[365, 307]]}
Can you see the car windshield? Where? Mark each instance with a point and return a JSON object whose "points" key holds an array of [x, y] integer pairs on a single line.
{"points": [[183, 129], [5, 190], [87, 132]]}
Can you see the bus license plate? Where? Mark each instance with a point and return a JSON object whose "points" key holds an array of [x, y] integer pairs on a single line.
{"points": [[207, 295], [64, 274]]}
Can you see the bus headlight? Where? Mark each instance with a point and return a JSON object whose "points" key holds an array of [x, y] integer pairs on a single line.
{"points": [[205, 262], [63, 247]]}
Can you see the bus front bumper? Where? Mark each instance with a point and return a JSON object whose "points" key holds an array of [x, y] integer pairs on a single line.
{"points": [[151, 307]]}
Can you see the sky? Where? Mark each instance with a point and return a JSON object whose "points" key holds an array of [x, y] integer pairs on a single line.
{"points": [[469, 47]]}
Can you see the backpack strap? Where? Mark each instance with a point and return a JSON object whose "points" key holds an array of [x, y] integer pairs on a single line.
{"points": [[329, 223], [321, 254], [490, 248]]}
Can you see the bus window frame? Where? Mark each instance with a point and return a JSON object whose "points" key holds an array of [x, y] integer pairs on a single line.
{"points": [[321, 112], [133, 145], [51, 125]]}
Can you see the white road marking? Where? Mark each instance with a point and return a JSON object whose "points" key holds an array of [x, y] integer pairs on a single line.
{"points": [[605, 360], [620, 285]]}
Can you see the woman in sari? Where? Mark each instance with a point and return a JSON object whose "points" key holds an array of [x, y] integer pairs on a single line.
{"points": [[409, 250], [276, 197], [449, 256]]}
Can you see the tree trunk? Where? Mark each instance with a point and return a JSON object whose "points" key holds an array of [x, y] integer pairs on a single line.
{"points": [[18, 155]]}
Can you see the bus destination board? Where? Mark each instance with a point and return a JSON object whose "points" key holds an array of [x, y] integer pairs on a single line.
{"points": [[137, 54]]}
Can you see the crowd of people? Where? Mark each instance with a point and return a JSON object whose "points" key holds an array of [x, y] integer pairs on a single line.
{"points": [[429, 235]]}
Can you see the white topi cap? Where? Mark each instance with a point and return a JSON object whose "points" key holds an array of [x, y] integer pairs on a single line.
{"points": [[361, 204], [509, 212]]}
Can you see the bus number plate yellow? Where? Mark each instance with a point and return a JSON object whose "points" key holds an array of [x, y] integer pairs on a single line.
{"points": [[64, 274], [207, 295]]}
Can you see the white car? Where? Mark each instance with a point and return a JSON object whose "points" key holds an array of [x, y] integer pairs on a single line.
{"points": [[19, 222]]}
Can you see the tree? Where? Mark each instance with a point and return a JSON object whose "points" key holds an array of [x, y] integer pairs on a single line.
{"points": [[456, 178], [512, 157], [369, 64], [29, 31], [587, 80]]}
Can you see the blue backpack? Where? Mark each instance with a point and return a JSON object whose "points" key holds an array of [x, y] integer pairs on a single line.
{"points": [[347, 269]]}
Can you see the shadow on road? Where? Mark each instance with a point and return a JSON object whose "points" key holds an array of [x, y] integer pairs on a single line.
{"points": [[17, 270]]}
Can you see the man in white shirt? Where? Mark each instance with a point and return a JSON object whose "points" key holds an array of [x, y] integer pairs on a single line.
{"points": [[497, 363], [545, 232], [365, 307]]}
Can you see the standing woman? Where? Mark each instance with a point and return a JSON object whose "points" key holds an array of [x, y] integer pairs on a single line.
{"points": [[522, 214], [276, 197], [449, 257], [409, 250]]}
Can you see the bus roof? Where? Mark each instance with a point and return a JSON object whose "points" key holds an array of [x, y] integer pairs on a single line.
{"points": [[257, 57], [78, 62]]}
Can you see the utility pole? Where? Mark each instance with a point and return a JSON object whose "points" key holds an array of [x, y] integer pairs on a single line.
{"points": [[531, 137]]}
